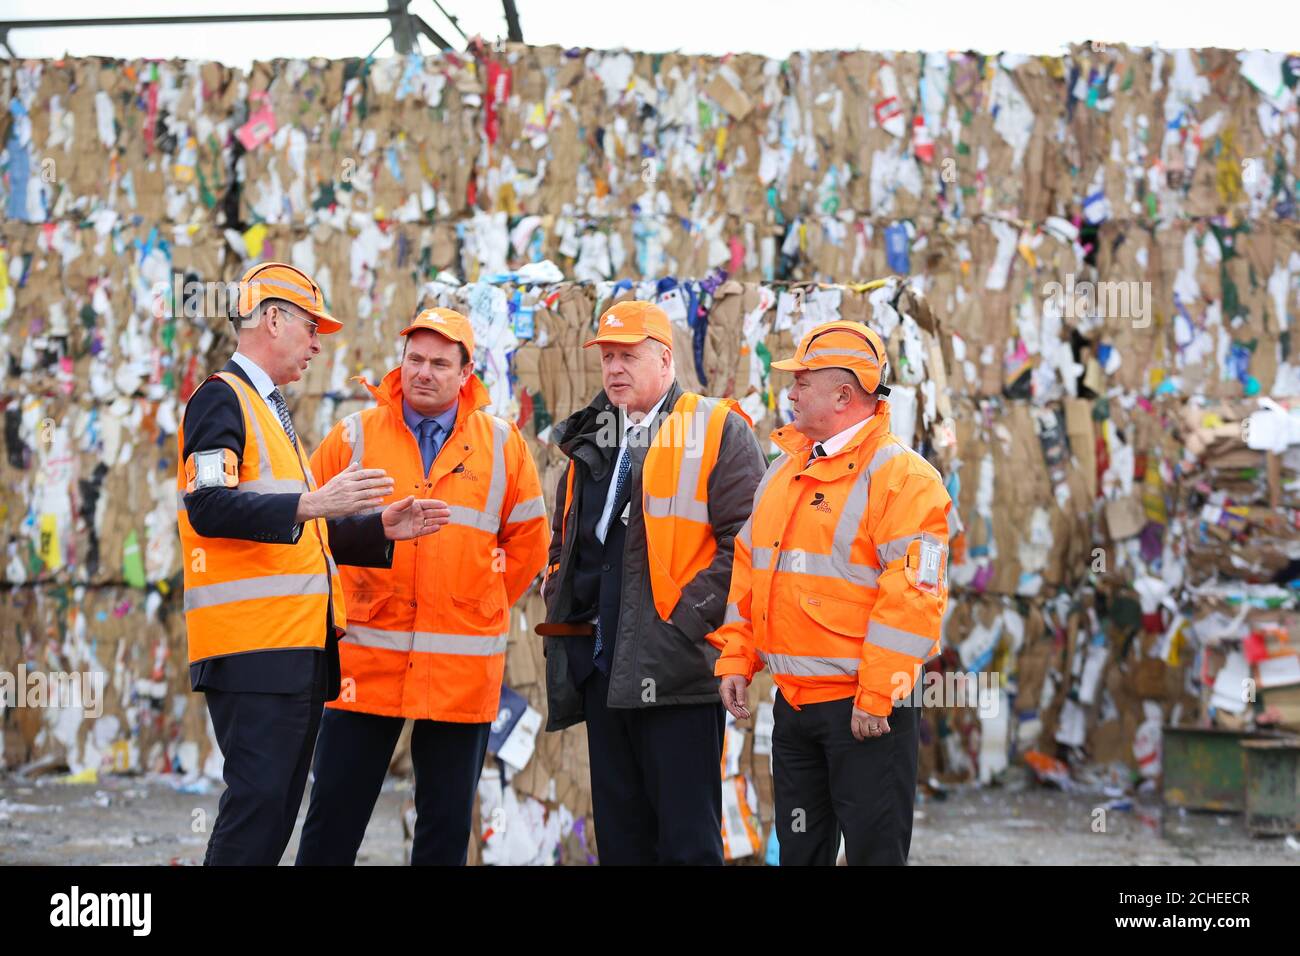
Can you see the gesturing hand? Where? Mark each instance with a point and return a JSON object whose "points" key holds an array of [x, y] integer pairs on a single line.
{"points": [[412, 517], [352, 490]]}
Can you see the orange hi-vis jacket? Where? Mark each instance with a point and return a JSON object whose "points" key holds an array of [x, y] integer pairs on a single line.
{"points": [[839, 583], [675, 495], [426, 639], [249, 596]]}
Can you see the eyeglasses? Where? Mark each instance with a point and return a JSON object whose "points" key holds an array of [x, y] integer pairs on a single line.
{"points": [[311, 326]]}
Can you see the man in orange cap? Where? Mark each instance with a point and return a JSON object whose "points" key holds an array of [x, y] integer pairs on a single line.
{"points": [[263, 598], [426, 639], [839, 589], [659, 482]]}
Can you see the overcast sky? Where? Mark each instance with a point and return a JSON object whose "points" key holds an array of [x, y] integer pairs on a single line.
{"points": [[772, 27]]}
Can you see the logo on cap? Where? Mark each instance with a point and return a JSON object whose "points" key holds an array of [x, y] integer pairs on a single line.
{"points": [[612, 321]]}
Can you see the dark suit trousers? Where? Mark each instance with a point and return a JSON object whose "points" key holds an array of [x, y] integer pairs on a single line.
{"points": [[827, 783], [656, 782], [267, 741], [351, 761]]}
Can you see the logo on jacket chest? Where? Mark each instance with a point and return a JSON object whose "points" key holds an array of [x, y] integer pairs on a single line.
{"points": [[819, 503], [460, 471]]}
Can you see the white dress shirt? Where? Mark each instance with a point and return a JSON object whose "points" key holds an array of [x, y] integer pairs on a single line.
{"points": [[840, 439], [261, 381], [602, 526]]}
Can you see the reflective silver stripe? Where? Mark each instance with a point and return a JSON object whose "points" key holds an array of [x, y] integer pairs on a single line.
{"points": [[744, 535], [955, 526], [250, 589], [850, 520], [472, 518], [821, 565], [496, 496], [826, 566], [733, 614], [424, 642], [273, 486], [467, 645], [893, 550], [846, 531], [245, 394], [378, 638], [693, 433], [810, 665], [527, 510], [839, 353], [329, 561], [887, 452], [180, 500], [676, 507], [896, 639], [839, 563], [772, 469], [355, 436], [307, 294], [761, 558]]}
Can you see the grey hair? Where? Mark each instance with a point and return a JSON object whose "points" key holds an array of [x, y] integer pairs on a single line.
{"points": [[842, 376]]}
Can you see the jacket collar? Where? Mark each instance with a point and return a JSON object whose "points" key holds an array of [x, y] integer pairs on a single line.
{"points": [[388, 393], [577, 434], [235, 368], [799, 446]]}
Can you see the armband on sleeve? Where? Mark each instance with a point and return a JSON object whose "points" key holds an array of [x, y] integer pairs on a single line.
{"points": [[924, 564], [218, 468]]}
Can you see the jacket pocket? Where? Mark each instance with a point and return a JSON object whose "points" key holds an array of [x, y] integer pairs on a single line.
{"points": [[477, 612], [836, 614], [363, 605]]}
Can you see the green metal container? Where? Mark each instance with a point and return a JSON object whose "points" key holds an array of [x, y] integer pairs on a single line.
{"points": [[1272, 786], [1203, 768]]}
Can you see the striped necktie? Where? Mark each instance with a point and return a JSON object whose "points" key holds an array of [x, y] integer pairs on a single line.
{"points": [[282, 409], [817, 452]]}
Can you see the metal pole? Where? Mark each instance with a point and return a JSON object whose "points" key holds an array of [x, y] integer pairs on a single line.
{"points": [[403, 35], [6, 25], [513, 30]]}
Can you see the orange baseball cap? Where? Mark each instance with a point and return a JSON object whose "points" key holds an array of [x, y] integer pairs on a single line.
{"points": [[276, 280], [446, 322], [633, 321], [847, 345]]}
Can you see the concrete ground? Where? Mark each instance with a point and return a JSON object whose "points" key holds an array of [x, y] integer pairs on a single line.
{"points": [[134, 820]]}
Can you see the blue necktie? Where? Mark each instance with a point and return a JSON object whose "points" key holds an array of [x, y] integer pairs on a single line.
{"points": [[620, 485], [430, 443]]}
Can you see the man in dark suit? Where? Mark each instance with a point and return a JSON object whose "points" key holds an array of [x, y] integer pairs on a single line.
{"points": [[636, 580], [264, 642]]}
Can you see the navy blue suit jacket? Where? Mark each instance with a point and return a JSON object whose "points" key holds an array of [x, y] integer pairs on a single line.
{"points": [[213, 419]]}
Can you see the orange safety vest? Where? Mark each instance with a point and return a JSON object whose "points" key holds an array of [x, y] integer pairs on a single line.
{"points": [[828, 588], [426, 639], [675, 495], [245, 595]]}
